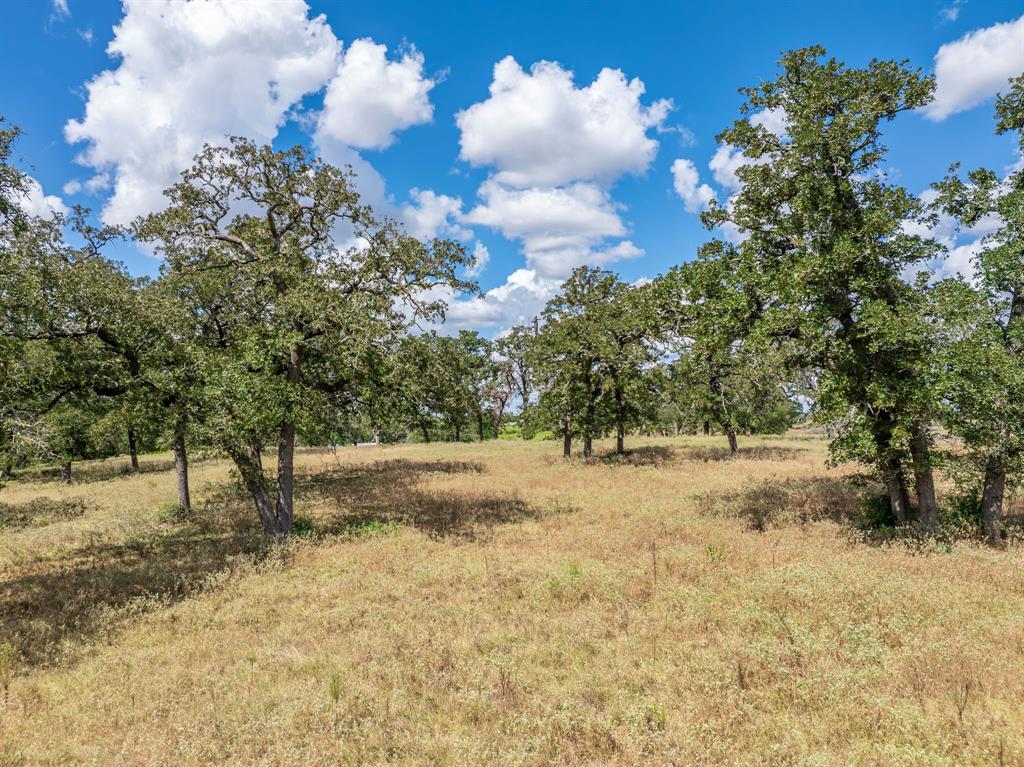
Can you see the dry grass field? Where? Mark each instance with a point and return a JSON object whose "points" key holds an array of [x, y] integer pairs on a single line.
{"points": [[493, 605]]}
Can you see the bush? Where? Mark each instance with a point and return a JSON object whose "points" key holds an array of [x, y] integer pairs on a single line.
{"points": [[545, 435], [512, 431]]}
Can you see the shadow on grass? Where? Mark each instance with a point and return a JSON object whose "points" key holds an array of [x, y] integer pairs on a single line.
{"points": [[859, 504], [52, 608], [392, 492], [660, 455], [39, 512], [101, 471]]}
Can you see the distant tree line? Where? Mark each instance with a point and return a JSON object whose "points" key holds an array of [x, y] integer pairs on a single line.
{"points": [[285, 311]]}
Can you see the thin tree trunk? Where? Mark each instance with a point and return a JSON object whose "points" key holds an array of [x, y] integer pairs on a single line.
{"points": [[458, 433], [588, 445], [566, 443], [920, 444], [65, 472], [992, 496], [620, 422], [132, 450], [896, 488], [731, 434], [707, 428], [480, 423], [249, 466], [425, 431], [181, 468], [284, 510]]}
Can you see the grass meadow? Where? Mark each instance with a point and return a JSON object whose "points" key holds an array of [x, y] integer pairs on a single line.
{"points": [[492, 604]]}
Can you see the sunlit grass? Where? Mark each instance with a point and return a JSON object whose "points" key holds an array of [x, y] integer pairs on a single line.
{"points": [[495, 605]]}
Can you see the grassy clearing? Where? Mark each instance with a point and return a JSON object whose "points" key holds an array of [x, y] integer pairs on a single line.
{"points": [[493, 605]]}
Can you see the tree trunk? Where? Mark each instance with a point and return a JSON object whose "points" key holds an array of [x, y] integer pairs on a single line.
{"points": [[65, 472], [707, 427], [896, 487], [920, 452], [249, 466], [458, 432], [181, 469], [480, 423], [567, 443], [285, 479], [132, 450], [425, 431], [731, 434], [588, 445], [620, 422], [992, 496]]}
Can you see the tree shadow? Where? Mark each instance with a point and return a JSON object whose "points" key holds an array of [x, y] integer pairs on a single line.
{"points": [[756, 453], [392, 492], [39, 512], [51, 609], [860, 505], [85, 472], [662, 455]]}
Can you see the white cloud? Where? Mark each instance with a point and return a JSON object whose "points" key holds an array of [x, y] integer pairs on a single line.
{"points": [[559, 228], [974, 68], [951, 12], [516, 302], [481, 257], [371, 98], [686, 180], [189, 73], [36, 203], [60, 9], [539, 129], [431, 215], [96, 183]]}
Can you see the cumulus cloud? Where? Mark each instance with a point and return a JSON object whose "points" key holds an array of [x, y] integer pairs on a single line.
{"points": [[516, 302], [555, 150], [431, 215], [974, 68], [686, 180], [37, 203], [60, 9], [481, 257], [189, 73], [559, 228], [371, 98], [538, 129]]}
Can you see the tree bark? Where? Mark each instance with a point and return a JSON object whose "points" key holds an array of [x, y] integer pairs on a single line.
{"points": [[132, 449], [425, 431], [588, 445], [620, 422], [731, 434], [284, 510], [896, 488], [65, 472], [707, 428], [924, 483], [181, 468], [249, 464], [458, 433], [567, 443], [992, 496], [480, 423]]}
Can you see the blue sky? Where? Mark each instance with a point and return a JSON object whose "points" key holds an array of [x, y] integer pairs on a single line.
{"points": [[549, 173]]}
